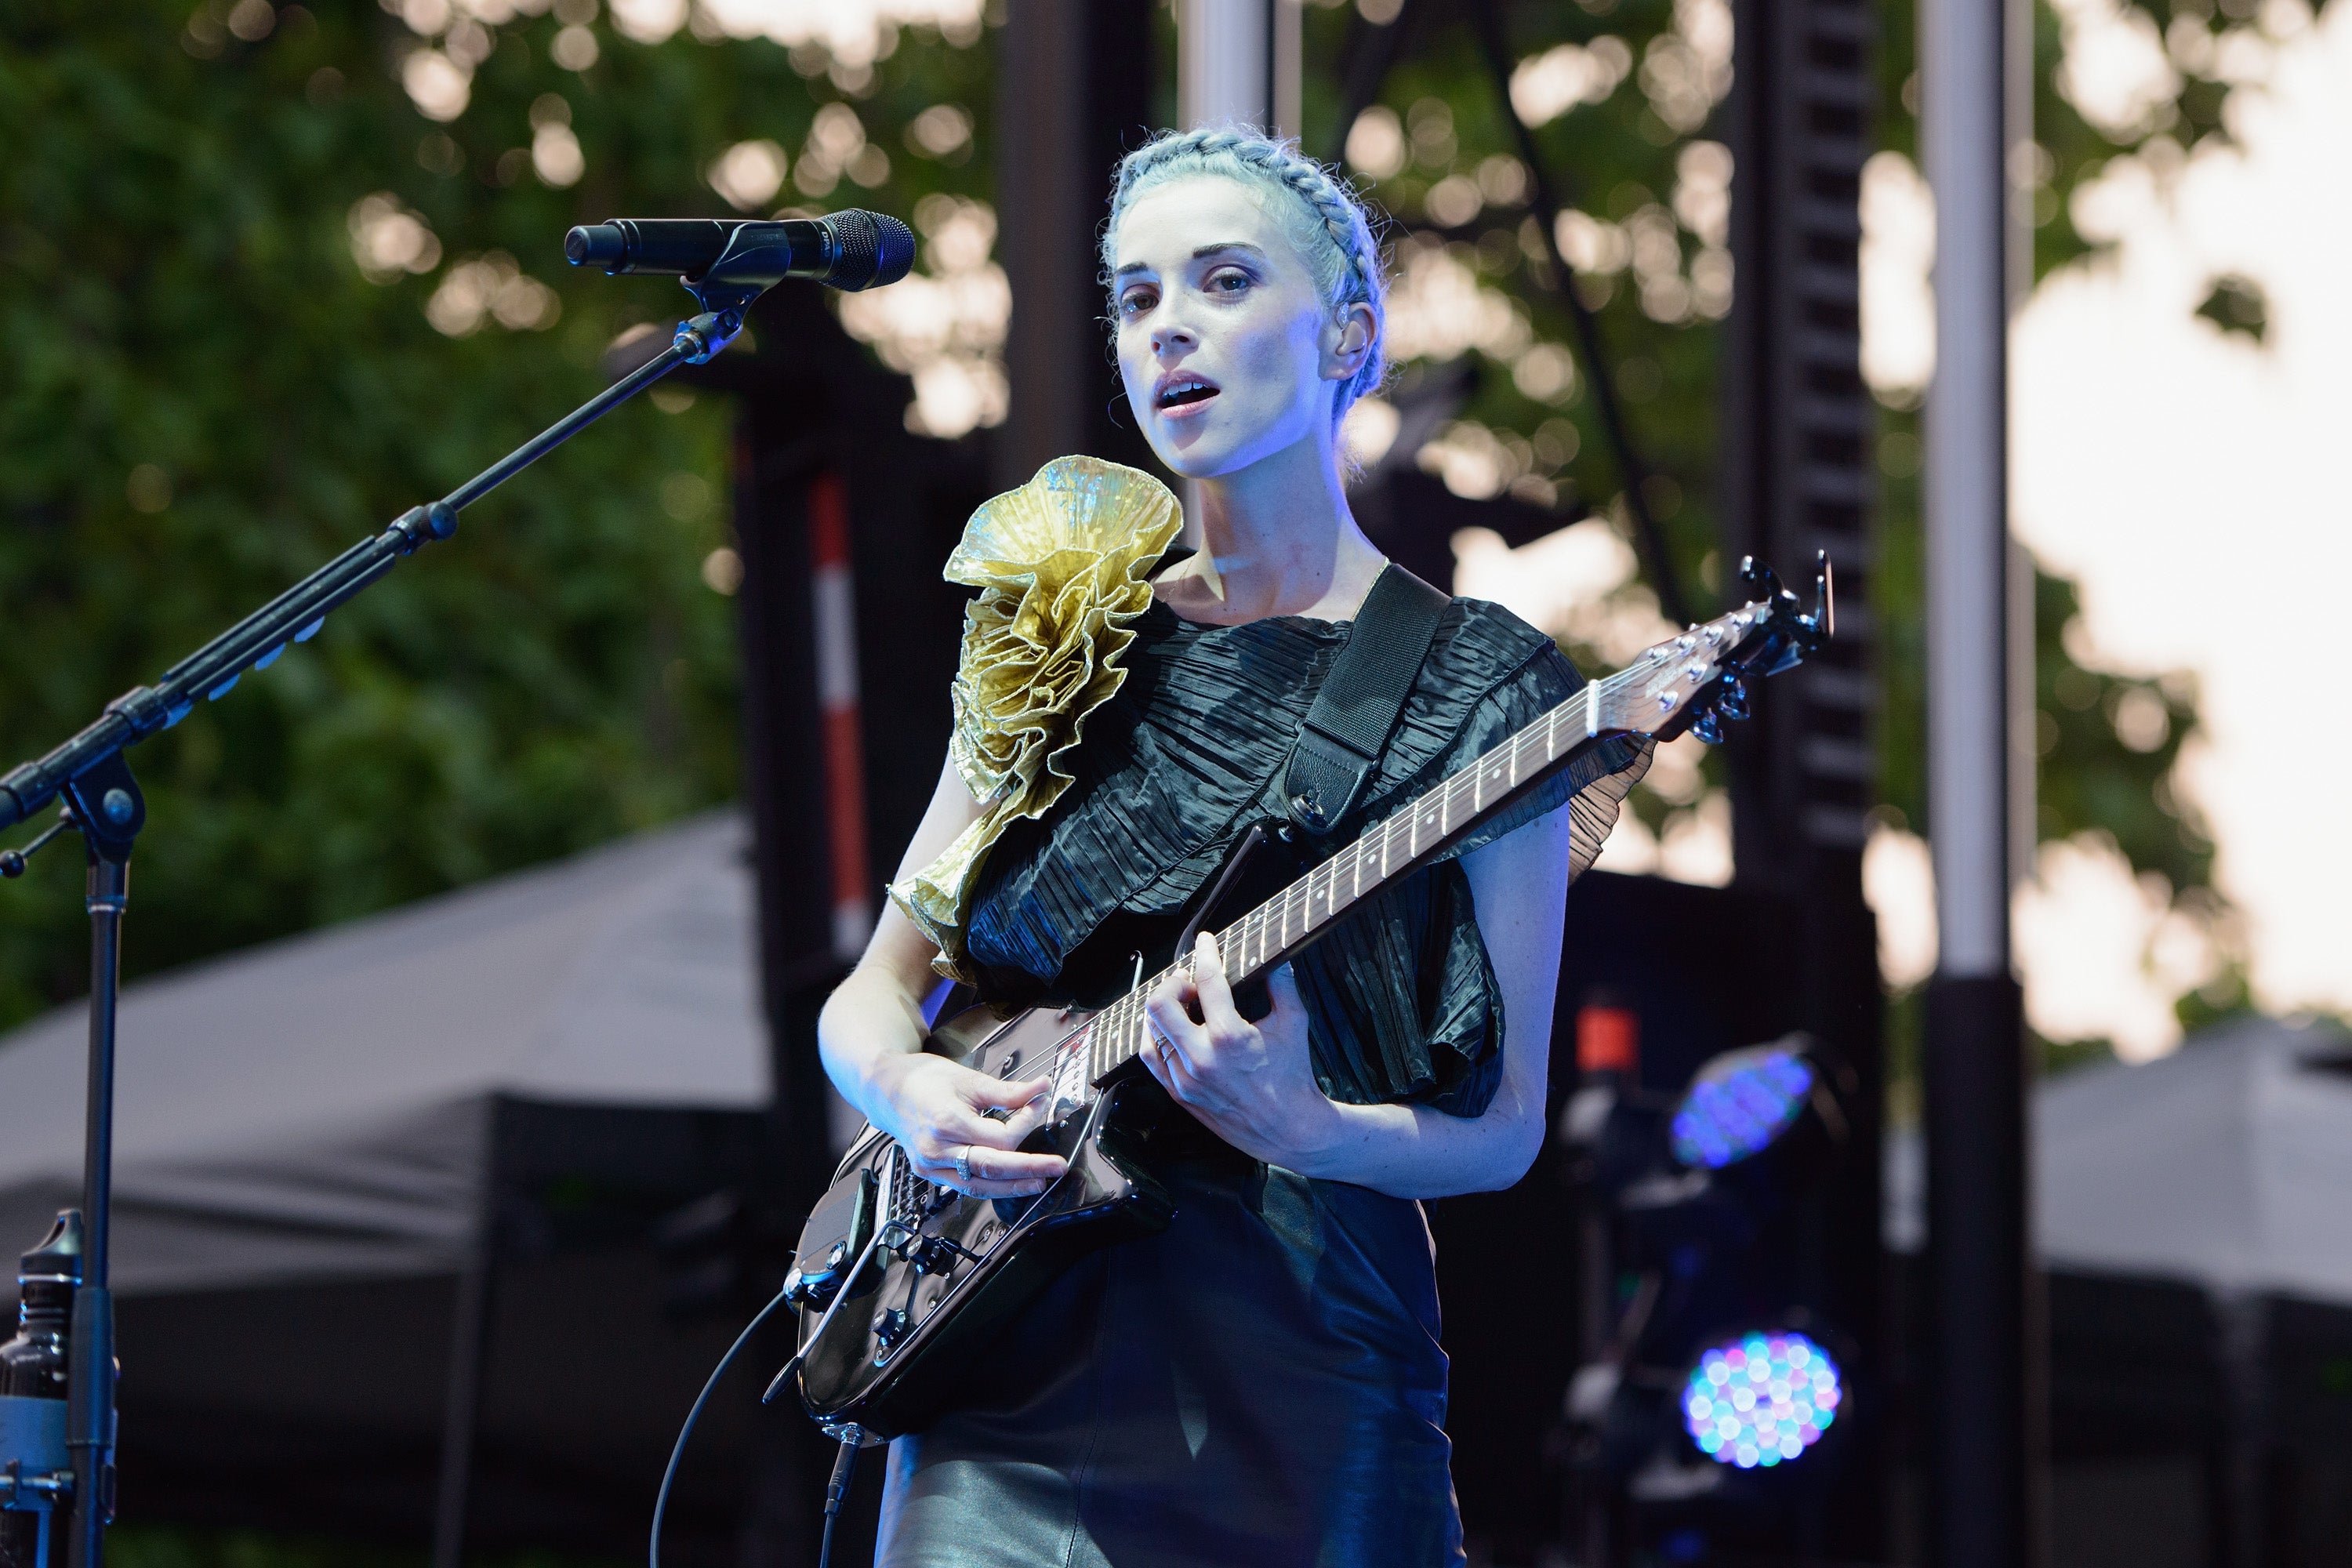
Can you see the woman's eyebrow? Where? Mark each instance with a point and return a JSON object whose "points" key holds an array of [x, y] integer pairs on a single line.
{"points": [[1206, 250]]}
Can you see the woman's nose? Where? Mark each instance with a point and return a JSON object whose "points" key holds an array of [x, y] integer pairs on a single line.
{"points": [[1169, 336]]}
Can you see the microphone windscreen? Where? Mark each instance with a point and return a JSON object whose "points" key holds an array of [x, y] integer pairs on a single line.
{"points": [[871, 249], [895, 252]]}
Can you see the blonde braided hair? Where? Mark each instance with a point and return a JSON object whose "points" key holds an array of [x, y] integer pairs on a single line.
{"points": [[1327, 224]]}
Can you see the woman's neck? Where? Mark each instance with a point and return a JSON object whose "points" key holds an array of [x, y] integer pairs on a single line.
{"points": [[1277, 539]]}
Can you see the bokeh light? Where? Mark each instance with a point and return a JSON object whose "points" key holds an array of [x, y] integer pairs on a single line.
{"points": [[944, 324], [1739, 1104], [1760, 1400]]}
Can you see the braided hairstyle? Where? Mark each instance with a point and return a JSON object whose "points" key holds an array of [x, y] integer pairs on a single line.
{"points": [[1321, 217]]}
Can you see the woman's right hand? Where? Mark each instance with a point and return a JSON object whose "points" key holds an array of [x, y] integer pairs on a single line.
{"points": [[871, 1034], [936, 1110]]}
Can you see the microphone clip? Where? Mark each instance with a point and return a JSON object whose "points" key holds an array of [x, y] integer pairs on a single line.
{"points": [[702, 336]]}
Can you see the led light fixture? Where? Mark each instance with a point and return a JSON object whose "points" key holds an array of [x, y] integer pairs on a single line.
{"points": [[1740, 1103], [1760, 1400]]}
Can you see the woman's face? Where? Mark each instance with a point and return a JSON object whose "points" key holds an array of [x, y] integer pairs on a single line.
{"points": [[1226, 348]]}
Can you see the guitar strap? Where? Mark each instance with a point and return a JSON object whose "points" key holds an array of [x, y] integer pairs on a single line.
{"points": [[1354, 714]]}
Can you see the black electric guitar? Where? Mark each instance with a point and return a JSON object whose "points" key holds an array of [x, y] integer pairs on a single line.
{"points": [[899, 1281]]}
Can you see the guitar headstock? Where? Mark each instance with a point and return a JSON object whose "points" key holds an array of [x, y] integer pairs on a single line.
{"points": [[1698, 679]]}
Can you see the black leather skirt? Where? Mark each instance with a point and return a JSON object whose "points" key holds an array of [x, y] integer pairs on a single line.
{"points": [[1261, 1385]]}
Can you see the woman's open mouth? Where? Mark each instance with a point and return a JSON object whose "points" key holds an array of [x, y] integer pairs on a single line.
{"points": [[1182, 394]]}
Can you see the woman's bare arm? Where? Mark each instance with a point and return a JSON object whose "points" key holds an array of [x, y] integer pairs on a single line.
{"points": [[871, 1037], [1254, 1087]]}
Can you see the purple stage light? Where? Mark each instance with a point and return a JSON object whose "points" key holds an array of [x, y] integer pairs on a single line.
{"points": [[1740, 1103], [1761, 1399]]}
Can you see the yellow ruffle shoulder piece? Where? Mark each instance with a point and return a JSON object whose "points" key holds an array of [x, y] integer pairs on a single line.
{"points": [[1063, 565]]}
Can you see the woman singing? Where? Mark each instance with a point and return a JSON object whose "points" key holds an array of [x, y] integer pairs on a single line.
{"points": [[1261, 1383]]}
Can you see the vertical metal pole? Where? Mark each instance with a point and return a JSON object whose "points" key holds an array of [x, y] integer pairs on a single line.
{"points": [[1964, 135], [1988, 1360], [469, 1343], [1225, 63], [1286, 67], [1799, 477], [832, 604], [1237, 63], [2245, 1537], [1073, 94], [89, 1379]]}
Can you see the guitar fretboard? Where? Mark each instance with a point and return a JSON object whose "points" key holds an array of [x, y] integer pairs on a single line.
{"points": [[1263, 938]]}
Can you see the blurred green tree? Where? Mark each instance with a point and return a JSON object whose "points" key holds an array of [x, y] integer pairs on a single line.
{"points": [[271, 274]]}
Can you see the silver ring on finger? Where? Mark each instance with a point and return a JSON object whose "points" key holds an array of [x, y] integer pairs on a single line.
{"points": [[963, 1163]]}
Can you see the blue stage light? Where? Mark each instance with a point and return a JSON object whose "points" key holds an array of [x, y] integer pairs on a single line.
{"points": [[1740, 1103], [1760, 1399]]}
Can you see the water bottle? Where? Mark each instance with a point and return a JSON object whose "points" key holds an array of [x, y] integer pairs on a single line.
{"points": [[33, 1383]]}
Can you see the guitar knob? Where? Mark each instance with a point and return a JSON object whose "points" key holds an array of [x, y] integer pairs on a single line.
{"points": [[889, 1327], [1708, 728]]}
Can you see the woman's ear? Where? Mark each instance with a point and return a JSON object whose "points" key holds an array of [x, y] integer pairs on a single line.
{"points": [[1348, 343]]}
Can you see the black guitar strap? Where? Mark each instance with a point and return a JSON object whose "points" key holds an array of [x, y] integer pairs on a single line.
{"points": [[1353, 715]]}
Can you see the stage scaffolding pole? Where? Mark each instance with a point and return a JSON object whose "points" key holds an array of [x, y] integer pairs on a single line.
{"points": [[1988, 1359], [1237, 63]]}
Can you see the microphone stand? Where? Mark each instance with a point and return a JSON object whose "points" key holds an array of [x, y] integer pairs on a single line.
{"points": [[101, 800]]}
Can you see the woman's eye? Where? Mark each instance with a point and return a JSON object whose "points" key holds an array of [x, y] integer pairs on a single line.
{"points": [[1228, 280], [1136, 301]]}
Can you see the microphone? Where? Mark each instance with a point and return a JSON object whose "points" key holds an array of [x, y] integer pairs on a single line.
{"points": [[853, 249]]}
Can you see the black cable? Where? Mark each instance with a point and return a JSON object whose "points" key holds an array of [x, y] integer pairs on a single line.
{"points": [[661, 1498], [845, 1463]]}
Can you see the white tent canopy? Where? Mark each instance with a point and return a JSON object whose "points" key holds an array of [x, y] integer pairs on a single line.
{"points": [[2227, 1164], [318, 1109]]}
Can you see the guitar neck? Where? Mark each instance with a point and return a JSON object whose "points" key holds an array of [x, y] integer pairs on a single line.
{"points": [[1269, 935]]}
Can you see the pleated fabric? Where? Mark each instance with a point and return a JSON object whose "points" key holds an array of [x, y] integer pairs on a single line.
{"points": [[1263, 1383]]}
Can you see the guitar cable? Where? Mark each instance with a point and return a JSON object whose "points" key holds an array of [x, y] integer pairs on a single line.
{"points": [[846, 1462], [677, 1450]]}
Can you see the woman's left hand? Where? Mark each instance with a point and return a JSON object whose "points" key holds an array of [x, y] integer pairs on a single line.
{"points": [[1251, 1084]]}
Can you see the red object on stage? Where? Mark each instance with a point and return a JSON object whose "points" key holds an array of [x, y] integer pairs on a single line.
{"points": [[836, 620], [1608, 1040]]}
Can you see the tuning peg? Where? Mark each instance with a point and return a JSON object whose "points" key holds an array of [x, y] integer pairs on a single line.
{"points": [[1708, 727], [1733, 701]]}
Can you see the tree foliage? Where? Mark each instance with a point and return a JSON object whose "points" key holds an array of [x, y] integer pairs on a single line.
{"points": [[1636, 154], [258, 301], [208, 398]]}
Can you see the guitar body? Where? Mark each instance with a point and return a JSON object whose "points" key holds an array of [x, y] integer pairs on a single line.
{"points": [[919, 1311]]}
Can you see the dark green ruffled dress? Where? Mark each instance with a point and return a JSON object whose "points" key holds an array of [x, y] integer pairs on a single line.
{"points": [[1262, 1383]]}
